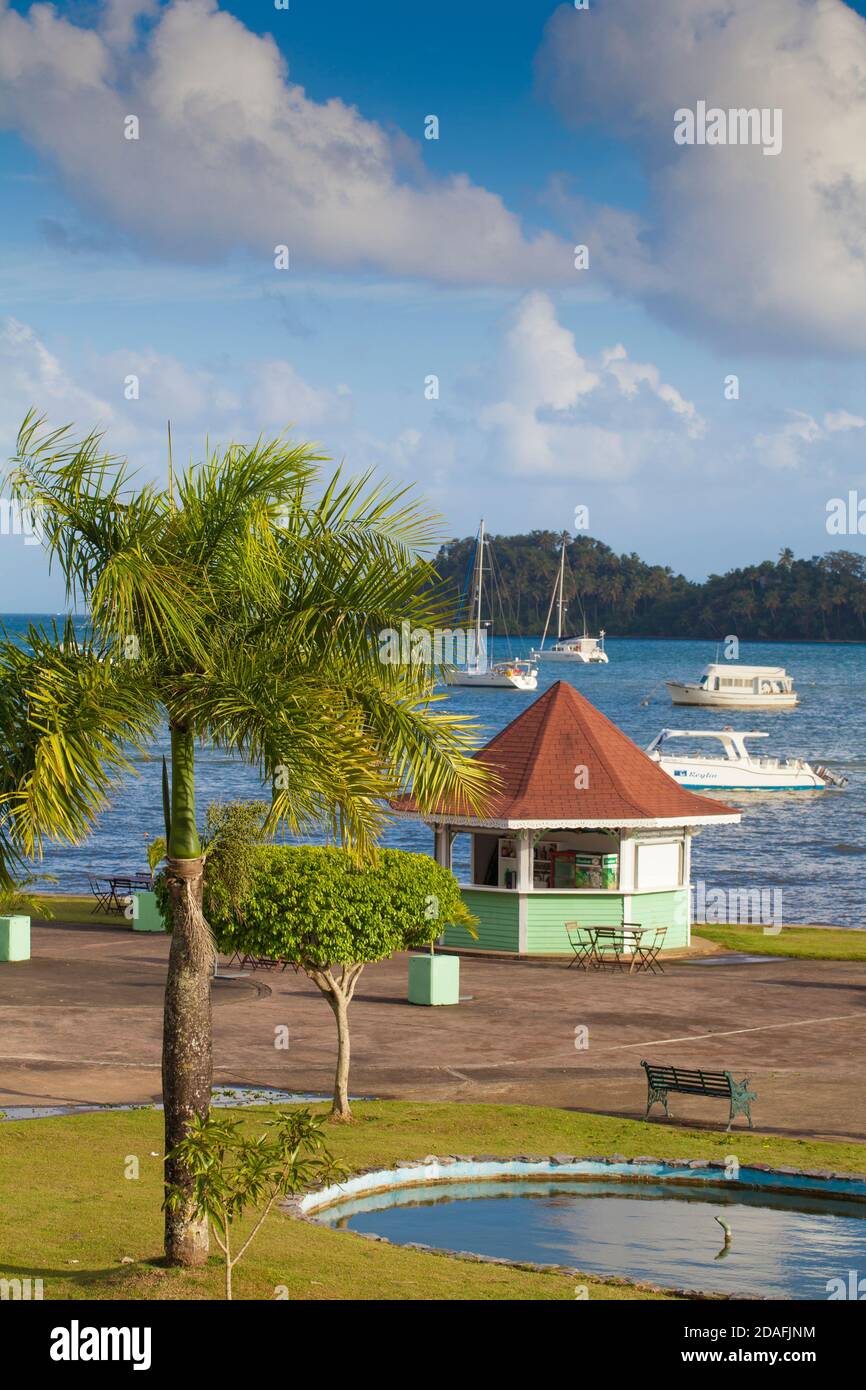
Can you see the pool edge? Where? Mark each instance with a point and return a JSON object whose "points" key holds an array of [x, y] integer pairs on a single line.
{"points": [[307, 1206]]}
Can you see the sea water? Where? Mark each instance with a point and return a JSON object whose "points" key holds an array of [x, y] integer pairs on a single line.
{"points": [[808, 846]]}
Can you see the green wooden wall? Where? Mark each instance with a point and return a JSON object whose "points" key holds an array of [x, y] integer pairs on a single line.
{"points": [[547, 915], [663, 910], [497, 922]]}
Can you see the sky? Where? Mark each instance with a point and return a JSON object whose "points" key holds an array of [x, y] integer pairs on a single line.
{"points": [[694, 378]]}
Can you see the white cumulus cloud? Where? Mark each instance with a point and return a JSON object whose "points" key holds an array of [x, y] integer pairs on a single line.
{"points": [[560, 414], [752, 251], [233, 153]]}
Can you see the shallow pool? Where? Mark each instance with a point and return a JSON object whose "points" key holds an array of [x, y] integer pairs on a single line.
{"points": [[782, 1246]]}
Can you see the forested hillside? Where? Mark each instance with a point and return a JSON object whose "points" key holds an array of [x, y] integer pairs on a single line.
{"points": [[820, 599]]}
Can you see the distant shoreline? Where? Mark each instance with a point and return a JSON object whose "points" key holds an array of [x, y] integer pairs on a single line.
{"points": [[609, 636]]}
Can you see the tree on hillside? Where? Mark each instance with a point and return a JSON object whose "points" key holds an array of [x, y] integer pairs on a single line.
{"points": [[318, 908], [823, 598], [241, 606]]}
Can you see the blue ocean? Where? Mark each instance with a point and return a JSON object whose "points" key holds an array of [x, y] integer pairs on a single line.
{"points": [[810, 847]]}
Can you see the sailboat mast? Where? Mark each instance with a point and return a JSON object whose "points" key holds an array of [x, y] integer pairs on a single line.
{"points": [[479, 588], [559, 606]]}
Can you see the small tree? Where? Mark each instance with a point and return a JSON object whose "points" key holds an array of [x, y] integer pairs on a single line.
{"points": [[331, 916], [232, 1172]]}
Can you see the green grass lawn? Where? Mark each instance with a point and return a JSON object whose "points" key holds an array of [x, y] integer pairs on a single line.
{"points": [[806, 943], [77, 909], [70, 1216]]}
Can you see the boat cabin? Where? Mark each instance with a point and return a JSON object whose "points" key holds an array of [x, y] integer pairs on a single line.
{"points": [[754, 680], [582, 828], [588, 647]]}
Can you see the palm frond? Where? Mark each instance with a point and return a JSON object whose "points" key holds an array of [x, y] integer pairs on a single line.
{"points": [[70, 718]]}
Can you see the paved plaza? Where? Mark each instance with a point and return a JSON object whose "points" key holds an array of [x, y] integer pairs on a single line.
{"points": [[81, 1023]]}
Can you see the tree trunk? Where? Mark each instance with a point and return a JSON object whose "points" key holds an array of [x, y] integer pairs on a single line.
{"points": [[339, 994], [187, 1064], [228, 1255], [340, 1109]]}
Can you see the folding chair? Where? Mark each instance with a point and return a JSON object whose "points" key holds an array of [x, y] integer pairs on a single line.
{"points": [[647, 949], [617, 946], [584, 949], [102, 895], [121, 892]]}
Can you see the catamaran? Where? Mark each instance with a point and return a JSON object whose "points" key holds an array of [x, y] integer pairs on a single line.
{"points": [[515, 674], [732, 686], [586, 650], [736, 768]]}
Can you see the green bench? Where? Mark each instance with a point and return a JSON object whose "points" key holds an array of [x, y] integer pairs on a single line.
{"points": [[662, 1080]]}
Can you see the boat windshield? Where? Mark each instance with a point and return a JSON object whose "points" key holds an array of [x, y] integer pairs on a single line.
{"points": [[698, 745]]}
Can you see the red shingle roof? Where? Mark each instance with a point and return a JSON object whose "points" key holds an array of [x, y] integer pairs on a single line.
{"points": [[538, 757]]}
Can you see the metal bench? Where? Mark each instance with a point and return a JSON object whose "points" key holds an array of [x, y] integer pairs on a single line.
{"points": [[662, 1080]]}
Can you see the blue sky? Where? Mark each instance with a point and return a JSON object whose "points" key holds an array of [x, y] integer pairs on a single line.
{"points": [[410, 257]]}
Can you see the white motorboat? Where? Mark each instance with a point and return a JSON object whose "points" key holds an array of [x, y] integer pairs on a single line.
{"points": [[728, 685], [514, 674], [589, 651], [736, 768]]}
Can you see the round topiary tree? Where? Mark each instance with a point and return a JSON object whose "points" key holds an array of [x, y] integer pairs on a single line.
{"points": [[331, 916]]}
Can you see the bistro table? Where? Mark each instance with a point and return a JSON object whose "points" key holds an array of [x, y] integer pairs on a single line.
{"points": [[628, 946], [113, 891]]}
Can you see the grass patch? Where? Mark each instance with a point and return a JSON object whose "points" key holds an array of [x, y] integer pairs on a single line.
{"points": [[804, 943], [77, 910], [70, 1216]]}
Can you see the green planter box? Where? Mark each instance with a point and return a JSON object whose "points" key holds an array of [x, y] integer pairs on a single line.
{"points": [[146, 916], [14, 938], [434, 979]]}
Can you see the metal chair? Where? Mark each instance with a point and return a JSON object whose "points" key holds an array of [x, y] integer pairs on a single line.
{"points": [[647, 950], [583, 948], [104, 895]]}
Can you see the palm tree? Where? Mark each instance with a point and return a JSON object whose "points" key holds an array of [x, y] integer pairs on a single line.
{"points": [[242, 609]]}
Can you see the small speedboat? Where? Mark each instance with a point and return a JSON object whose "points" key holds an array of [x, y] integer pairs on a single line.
{"points": [[736, 768], [728, 685]]}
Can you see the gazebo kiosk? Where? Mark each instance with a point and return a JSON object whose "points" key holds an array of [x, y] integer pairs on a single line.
{"points": [[584, 827]]}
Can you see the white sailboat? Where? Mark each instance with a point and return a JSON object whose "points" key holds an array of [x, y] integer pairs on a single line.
{"points": [[588, 651], [736, 768], [479, 671]]}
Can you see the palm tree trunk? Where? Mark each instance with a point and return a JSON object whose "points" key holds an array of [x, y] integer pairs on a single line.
{"points": [[187, 1064]]}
